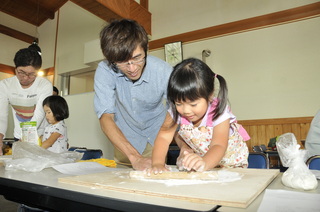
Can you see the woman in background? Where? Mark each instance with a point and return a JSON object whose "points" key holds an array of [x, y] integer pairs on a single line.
{"points": [[24, 92]]}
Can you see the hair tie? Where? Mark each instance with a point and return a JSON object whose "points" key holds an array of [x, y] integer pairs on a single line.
{"points": [[215, 76]]}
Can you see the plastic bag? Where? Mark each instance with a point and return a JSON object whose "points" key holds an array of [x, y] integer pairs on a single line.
{"points": [[298, 175], [33, 158]]}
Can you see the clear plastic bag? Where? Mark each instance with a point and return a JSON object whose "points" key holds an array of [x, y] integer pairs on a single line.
{"points": [[33, 158], [297, 175]]}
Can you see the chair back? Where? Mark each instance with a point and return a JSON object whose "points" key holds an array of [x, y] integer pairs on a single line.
{"points": [[263, 147], [314, 162], [258, 160], [257, 149], [88, 153]]}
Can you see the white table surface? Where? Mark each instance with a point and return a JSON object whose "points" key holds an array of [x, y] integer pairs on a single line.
{"points": [[48, 178]]}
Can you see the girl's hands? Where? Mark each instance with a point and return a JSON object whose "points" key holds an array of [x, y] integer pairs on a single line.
{"points": [[158, 169], [181, 158], [190, 161]]}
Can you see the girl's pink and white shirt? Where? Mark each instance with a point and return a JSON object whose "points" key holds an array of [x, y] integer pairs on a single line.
{"points": [[199, 138]]}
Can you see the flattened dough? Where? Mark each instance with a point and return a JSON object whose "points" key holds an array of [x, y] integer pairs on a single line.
{"points": [[208, 175]]}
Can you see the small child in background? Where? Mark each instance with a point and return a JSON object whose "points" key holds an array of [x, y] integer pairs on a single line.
{"points": [[209, 136], [55, 136]]}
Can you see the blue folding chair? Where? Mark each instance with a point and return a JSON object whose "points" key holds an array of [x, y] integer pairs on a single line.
{"points": [[88, 153], [258, 160], [314, 162]]}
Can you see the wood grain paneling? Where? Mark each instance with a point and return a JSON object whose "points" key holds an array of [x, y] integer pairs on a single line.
{"points": [[261, 130]]}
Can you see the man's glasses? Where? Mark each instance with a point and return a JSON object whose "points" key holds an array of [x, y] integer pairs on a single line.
{"points": [[133, 61], [24, 74]]}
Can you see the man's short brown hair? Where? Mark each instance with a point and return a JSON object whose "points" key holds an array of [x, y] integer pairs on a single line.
{"points": [[120, 38]]}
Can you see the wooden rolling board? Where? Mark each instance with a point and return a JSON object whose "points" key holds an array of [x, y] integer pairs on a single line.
{"points": [[209, 175], [239, 193]]}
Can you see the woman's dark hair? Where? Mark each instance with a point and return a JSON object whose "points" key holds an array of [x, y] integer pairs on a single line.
{"points": [[55, 89], [58, 106], [193, 79], [120, 38], [30, 56]]}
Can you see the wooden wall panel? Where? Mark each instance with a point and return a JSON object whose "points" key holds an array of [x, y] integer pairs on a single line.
{"points": [[261, 130]]}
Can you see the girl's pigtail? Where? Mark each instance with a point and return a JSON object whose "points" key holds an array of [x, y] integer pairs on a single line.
{"points": [[222, 97]]}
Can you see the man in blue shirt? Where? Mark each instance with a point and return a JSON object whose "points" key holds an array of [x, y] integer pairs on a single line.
{"points": [[130, 92]]}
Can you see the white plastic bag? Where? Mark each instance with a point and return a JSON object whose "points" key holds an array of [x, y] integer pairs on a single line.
{"points": [[298, 175], [33, 158]]}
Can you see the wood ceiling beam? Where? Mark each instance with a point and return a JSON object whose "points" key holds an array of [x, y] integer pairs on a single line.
{"points": [[7, 69], [11, 70], [105, 9], [16, 34], [141, 15], [115, 9], [145, 4], [98, 9], [26, 10]]}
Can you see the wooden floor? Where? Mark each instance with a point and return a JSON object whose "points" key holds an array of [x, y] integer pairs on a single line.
{"points": [[7, 206]]}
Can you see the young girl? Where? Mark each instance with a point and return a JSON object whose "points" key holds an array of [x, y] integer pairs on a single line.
{"points": [[55, 135], [211, 136]]}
